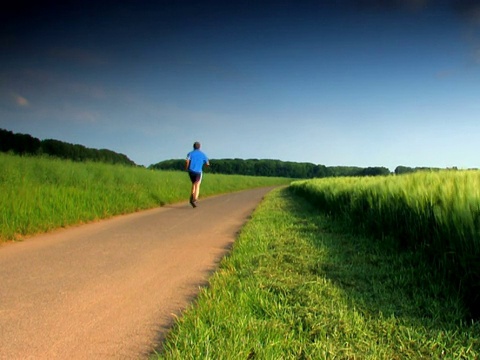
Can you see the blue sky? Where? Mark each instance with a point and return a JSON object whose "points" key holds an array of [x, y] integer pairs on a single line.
{"points": [[353, 83]]}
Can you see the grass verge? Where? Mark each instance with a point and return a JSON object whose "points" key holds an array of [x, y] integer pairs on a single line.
{"points": [[297, 286]]}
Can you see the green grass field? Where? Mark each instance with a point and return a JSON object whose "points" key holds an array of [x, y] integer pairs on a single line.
{"points": [[42, 194], [298, 286]]}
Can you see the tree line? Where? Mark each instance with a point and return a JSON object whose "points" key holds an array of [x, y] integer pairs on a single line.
{"points": [[24, 144], [294, 170], [278, 168]]}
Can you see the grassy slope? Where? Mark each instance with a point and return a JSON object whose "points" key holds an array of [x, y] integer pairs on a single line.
{"points": [[296, 286], [41, 194]]}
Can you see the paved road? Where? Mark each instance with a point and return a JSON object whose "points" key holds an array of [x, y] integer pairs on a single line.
{"points": [[110, 290]]}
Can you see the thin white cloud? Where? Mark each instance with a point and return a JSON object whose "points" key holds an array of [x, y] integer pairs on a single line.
{"points": [[85, 117], [44, 83], [78, 56], [445, 74], [471, 12], [91, 91], [20, 100], [416, 5], [476, 56]]}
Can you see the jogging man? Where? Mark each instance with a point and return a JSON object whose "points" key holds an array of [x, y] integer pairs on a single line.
{"points": [[194, 165]]}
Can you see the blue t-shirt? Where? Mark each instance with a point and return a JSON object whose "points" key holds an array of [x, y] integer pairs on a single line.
{"points": [[197, 160]]}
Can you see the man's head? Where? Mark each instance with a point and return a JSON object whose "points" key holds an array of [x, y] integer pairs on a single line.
{"points": [[196, 145]]}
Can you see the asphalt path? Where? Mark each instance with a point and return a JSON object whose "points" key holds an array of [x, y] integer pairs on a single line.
{"points": [[112, 289]]}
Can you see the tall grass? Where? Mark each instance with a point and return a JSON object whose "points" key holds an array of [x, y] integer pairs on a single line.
{"points": [[437, 213], [40, 194], [297, 286]]}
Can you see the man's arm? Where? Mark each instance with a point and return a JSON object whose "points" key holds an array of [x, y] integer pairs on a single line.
{"points": [[187, 164]]}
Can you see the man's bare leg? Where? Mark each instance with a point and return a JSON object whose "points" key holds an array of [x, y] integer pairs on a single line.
{"points": [[196, 190], [195, 193]]}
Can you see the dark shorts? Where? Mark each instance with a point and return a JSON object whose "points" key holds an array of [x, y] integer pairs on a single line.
{"points": [[194, 177]]}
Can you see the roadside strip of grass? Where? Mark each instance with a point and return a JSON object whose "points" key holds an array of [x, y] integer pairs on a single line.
{"points": [[297, 286]]}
